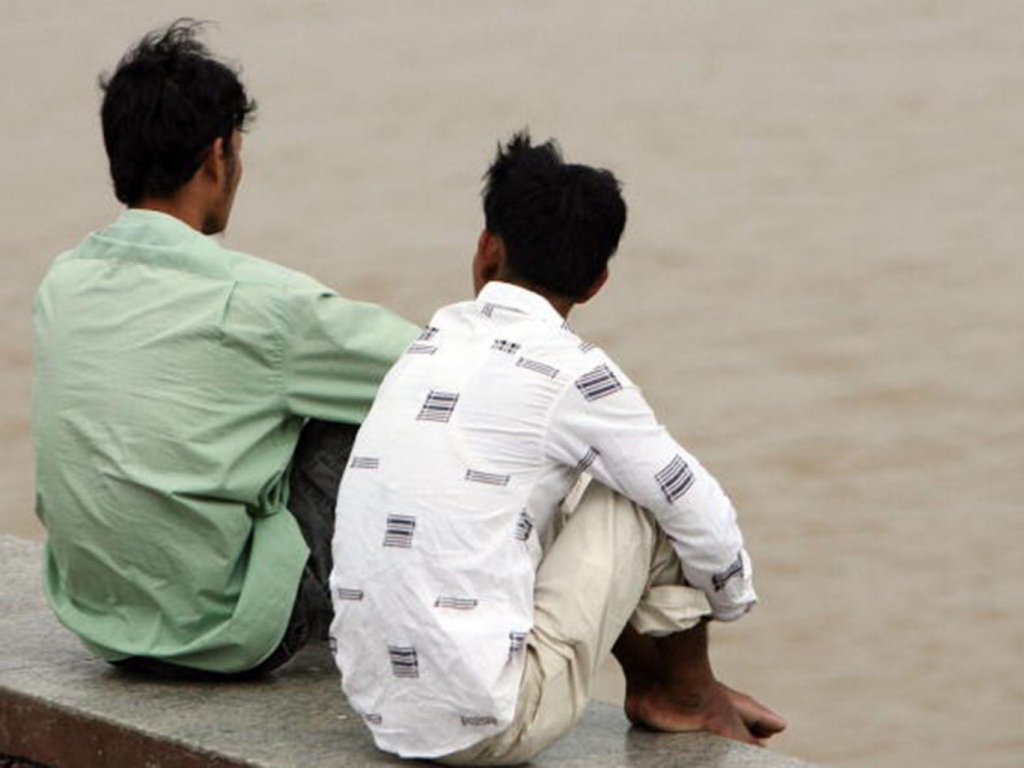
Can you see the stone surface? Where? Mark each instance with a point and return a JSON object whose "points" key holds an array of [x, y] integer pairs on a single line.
{"points": [[16, 762], [61, 707]]}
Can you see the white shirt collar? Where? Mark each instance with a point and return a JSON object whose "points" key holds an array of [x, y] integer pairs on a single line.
{"points": [[517, 297]]}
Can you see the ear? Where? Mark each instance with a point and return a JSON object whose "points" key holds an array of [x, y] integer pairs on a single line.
{"points": [[214, 164], [591, 292], [489, 258]]}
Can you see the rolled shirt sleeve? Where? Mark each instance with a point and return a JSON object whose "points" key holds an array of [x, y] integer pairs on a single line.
{"points": [[603, 425]]}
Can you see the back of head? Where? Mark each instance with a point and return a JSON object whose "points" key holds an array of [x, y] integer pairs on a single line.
{"points": [[165, 104], [560, 223]]}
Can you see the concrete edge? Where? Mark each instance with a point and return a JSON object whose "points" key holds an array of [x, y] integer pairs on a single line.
{"points": [[57, 736]]}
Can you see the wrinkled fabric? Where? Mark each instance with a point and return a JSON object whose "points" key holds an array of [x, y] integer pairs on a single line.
{"points": [[478, 433], [172, 379]]}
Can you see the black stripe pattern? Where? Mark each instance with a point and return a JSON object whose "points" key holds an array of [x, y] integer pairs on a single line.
{"points": [[428, 333], [598, 383], [373, 718], [675, 479], [524, 526], [439, 406], [344, 593], [516, 641], [586, 346], [404, 662], [364, 462], [487, 310], [478, 720], [456, 603], [399, 531], [504, 345], [587, 461], [487, 478], [417, 348], [719, 580], [537, 367]]}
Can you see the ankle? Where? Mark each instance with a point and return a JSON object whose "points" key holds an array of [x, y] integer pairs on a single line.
{"points": [[637, 655], [685, 660]]}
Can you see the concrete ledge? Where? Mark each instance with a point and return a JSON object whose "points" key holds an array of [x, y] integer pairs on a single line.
{"points": [[65, 709]]}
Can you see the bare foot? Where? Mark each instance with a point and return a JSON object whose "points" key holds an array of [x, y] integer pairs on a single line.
{"points": [[662, 707], [760, 721], [670, 687]]}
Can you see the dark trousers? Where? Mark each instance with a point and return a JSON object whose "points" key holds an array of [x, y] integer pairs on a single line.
{"points": [[317, 466]]}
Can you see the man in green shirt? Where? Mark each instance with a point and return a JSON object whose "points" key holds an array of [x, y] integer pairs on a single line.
{"points": [[173, 379]]}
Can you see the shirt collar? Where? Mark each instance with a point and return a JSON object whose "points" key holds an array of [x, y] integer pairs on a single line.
{"points": [[168, 226], [132, 215], [153, 227], [517, 297], [150, 237]]}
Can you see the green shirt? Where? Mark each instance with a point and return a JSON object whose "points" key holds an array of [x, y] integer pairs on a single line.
{"points": [[172, 379]]}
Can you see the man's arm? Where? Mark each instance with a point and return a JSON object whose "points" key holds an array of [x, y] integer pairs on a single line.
{"points": [[336, 353], [604, 425]]}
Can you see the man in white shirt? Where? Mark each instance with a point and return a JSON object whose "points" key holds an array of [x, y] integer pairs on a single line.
{"points": [[481, 577]]}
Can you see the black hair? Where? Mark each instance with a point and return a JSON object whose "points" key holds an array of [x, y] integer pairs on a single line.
{"points": [[165, 104], [560, 223]]}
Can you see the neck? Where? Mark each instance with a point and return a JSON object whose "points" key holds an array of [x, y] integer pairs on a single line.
{"points": [[183, 206], [561, 304], [182, 213]]}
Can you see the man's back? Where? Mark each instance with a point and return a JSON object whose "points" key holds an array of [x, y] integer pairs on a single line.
{"points": [[469, 626], [171, 385], [173, 378], [477, 434]]}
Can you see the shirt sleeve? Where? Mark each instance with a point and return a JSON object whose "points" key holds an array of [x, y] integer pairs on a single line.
{"points": [[336, 351], [603, 424]]}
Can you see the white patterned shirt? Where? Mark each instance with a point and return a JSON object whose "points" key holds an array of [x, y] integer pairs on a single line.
{"points": [[476, 435]]}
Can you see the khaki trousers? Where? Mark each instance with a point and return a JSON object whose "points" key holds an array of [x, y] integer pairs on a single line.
{"points": [[609, 564]]}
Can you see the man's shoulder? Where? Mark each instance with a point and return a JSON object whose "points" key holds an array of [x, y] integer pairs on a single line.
{"points": [[583, 366], [161, 241], [248, 269], [556, 350], [575, 355]]}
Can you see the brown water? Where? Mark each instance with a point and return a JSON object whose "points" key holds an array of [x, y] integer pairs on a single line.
{"points": [[819, 288]]}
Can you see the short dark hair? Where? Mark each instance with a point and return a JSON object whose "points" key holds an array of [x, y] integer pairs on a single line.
{"points": [[165, 104], [560, 223]]}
